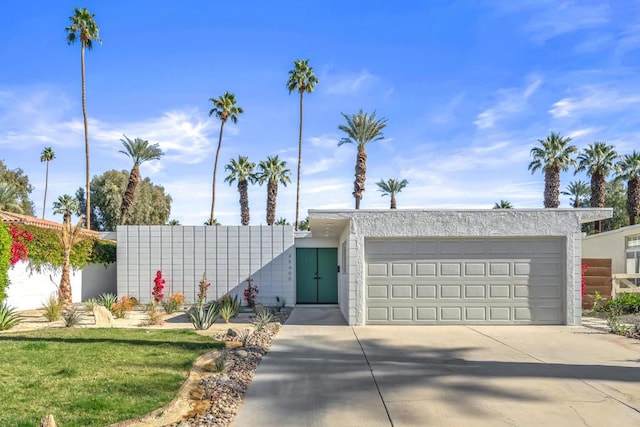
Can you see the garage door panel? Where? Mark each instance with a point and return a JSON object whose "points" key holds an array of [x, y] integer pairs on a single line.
{"points": [[464, 281]]}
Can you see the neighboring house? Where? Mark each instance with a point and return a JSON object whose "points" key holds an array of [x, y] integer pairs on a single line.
{"points": [[622, 246], [29, 289], [520, 266]]}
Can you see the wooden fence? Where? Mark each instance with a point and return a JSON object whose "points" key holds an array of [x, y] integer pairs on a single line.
{"points": [[597, 278]]}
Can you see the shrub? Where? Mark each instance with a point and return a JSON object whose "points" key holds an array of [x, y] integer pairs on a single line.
{"points": [[173, 303], [625, 303], [107, 300], [52, 308], [158, 287], [71, 317], [203, 286], [154, 316], [90, 303], [5, 256], [262, 318], [203, 316], [8, 317], [120, 308], [219, 364], [228, 307], [250, 293]]}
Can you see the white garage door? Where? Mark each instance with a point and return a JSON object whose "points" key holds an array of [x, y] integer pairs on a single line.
{"points": [[490, 281]]}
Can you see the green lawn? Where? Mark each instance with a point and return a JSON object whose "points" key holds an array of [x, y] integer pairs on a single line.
{"points": [[92, 377]]}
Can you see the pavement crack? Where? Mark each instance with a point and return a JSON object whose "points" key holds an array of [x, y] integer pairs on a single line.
{"points": [[384, 404]]}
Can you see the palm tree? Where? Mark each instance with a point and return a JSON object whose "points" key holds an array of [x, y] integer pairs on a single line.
{"points": [[273, 171], [503, 204], [281, 221], [242, 171], [391, 187], [553, 156], [224, 108], [215, 222], [9, 198], [302, 79], [579, 190], [304, 224], [173, 222], [361, 129], [629, 168], [84, 28], [599, 160], [67, 206], [46, 156], [139, 151]]}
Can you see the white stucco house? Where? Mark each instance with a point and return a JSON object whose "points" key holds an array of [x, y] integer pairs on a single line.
{"points": [[622, 246], [511, 266]]}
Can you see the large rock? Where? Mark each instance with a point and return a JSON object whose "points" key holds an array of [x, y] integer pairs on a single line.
{"points": [[48, 421], [103, 316]]}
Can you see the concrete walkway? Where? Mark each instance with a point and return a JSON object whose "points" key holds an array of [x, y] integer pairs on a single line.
{"points": [[321, 372]]}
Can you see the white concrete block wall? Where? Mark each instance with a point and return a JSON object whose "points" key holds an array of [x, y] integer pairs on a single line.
{"points": [[228, 255]]}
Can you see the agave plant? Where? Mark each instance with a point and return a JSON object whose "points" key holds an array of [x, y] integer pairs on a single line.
{"points": [[203, 316], [8, 317], [228, 307]]}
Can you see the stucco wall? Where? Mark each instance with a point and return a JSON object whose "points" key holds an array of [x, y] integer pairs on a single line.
{"points": [[564, 223], [228, 255], [29, 289], [610, 245]]}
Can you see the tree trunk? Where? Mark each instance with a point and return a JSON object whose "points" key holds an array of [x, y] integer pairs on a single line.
{"points": [[244, 201], [272, 193], [361, 174], [393, 202], [299, 163], [633, 199], [86, 141], [597, 195], [215, 170], [551, 187], [130, 193], [46, 187], [64, 291]]}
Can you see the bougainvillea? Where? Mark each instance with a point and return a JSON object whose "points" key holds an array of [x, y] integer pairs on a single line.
{"points": [[158, 287], [19, 250], [250, 293]]}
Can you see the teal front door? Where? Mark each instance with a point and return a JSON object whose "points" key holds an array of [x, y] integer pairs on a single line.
{"points": [[316, 275]]}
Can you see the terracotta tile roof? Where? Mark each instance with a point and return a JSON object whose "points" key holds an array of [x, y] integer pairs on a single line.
{"points": [[14, 218]]}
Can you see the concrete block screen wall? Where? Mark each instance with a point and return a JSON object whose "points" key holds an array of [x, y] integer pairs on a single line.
{"points": [[228, 255]]}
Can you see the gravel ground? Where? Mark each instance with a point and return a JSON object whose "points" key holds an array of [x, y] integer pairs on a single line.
{"points": [[219, 395]]}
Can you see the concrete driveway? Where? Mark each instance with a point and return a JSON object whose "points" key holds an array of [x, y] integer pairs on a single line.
{"points": [[321, 372]]}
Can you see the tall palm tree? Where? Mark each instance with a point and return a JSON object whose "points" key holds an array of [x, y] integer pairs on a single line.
{"points": [[553, 156], [361, 129], [628, 168], [67, 206], [46, 156], [503, 204], [273, 171], [242, 170], [9, 198], [303, 79], [224, 108], [391, 187], [598, 160], [84, 28], [579, 190], [139, 151]]}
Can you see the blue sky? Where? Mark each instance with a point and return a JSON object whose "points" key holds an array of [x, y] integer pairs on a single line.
{"points": [[467, 87]]}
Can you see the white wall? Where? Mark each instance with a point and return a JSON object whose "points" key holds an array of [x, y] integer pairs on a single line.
{"points": [[610, 244]]}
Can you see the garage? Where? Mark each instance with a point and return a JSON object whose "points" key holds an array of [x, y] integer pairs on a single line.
{"points": [[452, 281]]}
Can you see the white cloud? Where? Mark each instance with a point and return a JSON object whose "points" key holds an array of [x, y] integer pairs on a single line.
{"points": [[349, 84], [593, 99], [511, 101], [323, 155]]}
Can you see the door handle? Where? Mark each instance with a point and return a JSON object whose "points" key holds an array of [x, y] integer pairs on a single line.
{"points": [[317, 277]]}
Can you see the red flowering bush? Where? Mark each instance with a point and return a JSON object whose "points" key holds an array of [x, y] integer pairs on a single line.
{"points": [[203, 286], [19, 249], [250, 293], [158, 287], [585, 267]]}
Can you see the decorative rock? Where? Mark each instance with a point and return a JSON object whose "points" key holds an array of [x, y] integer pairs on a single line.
{"points": [[232, 333], [103, 316], [48, 421], [242, 354]]}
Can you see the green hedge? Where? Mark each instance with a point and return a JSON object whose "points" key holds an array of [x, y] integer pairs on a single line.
{"points": [[5, 255]]}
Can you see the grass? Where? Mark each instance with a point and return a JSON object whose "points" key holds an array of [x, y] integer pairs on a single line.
{"points": [[93, 377]]}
